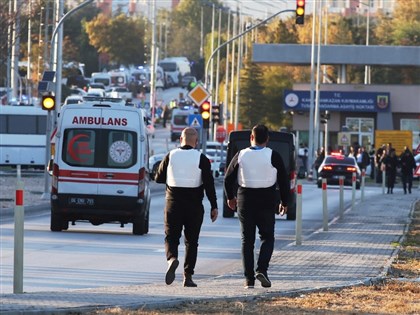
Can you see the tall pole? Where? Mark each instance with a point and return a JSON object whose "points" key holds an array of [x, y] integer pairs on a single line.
{"points": [[367, 67], [225, 102], [312, 94], [15, 50], [59, 54], [240, 35], [28, 71], [53, 63], [317, 86], [201, 34], [9, 54], [235, 26], [216, 99], [153, 63], [238, 72]]}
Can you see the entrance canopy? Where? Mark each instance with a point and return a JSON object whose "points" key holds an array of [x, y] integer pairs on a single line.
{"points": [[295, 54]]}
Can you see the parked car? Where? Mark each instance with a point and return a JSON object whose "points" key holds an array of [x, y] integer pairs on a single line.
{"points": [[417, 159], [154, 162], [185, 81], [119, 92], [338, 165], [73, 99], [97, 86], [96, 92], [74, 90], [215, 157]]}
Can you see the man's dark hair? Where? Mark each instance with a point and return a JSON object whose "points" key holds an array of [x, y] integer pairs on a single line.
{"points": [[260, 133]]}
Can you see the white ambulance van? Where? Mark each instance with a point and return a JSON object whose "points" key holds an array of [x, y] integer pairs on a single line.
{"points": [[99, 168]]}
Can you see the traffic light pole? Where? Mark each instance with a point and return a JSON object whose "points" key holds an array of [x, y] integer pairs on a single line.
{"points": [[206, 83], [236, 37], [51, 120]]}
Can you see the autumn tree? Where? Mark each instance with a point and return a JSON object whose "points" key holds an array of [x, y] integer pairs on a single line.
{"points": [[120, 37], [253, 106]]}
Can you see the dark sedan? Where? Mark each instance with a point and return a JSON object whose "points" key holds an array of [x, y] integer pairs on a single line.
{"points": [[335, 166]]}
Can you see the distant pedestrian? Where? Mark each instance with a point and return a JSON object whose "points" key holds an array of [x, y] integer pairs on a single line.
{"points": [[320, 156], [165, 115], [391, 162], [362, 158], [378, 163], [408, 164], [372, 161], [258, 170]]}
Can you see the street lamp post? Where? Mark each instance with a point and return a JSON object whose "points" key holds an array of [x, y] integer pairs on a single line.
{"points": [[367, 67], [58, 87], [206, 83]]}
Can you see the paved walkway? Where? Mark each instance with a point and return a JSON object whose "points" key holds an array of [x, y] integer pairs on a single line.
{"points": [[357, 248]]}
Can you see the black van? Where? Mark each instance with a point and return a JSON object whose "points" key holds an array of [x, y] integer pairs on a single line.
{"points": [[284, 144]]}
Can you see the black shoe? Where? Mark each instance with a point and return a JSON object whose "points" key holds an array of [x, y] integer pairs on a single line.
{"points": [[188, 282], [173, 263], [263, 278], [249, 284]]}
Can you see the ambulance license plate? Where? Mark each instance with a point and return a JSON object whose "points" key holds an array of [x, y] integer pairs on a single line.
{"points": [[81, 201]]}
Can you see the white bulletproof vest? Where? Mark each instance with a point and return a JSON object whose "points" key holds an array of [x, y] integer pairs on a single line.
{"points": [[255, 168], [183, 169]]}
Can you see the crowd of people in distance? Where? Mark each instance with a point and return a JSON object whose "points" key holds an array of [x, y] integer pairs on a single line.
{"points": [[384, 159]]}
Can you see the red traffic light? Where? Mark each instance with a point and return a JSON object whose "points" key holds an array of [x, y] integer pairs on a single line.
{"points": [[205, 110], [300, 11], [205, 114]]}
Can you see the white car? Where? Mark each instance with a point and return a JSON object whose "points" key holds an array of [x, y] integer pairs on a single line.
{"points": [[73, 99], [119, 92], [154, 162], [417, 159], [217, 161], [96, 92]]}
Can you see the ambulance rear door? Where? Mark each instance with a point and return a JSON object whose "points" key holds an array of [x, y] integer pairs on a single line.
{"points": [[78, 169], [119, 165]]}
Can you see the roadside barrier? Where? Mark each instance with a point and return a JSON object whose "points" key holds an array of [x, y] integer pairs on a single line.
{"points": [[18, 240], [341, 183], [324, 204], [383, 182], [353, 190], [299, 213], [362, 186]]}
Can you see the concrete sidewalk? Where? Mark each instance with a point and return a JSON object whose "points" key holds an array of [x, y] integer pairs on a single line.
{"points": [[357, 248]]}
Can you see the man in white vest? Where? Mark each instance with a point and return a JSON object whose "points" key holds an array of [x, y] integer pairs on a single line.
{"points": [[258, 170], [187, 175]]}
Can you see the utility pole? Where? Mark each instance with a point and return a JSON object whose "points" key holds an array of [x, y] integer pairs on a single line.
{"points": [[232, 77], [153, 63], [240, 48], [226, 99], [56, 64], [28, 69], [238, 72], [15, 50], [9, 53], [312, 96], [215, 100]]}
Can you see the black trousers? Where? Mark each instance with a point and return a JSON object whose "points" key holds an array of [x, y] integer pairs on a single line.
{"points": [[250, 219], [188, 216], [407, 181]]}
